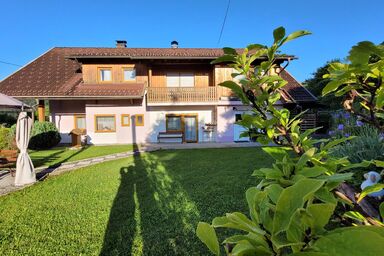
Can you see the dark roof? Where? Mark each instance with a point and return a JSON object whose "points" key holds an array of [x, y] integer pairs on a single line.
{"points": [[57, 73], [54, 75], [294, 92], [154, 53]]}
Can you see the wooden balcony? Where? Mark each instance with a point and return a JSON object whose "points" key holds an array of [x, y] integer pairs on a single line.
{"points": [[182, 94]]}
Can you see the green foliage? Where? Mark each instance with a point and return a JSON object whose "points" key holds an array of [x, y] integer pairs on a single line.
{"points": [[44, 135], [7, 138], [289, 210], [361, 82], [316, 85], [8, 119], [368, 145]]}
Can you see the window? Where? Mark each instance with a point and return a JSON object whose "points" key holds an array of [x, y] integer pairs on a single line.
{"points": [[173, 123], [125, 120], [129, 74], [79, 122], [180, 79], [105, 123], [139, 120], [105, 74]]}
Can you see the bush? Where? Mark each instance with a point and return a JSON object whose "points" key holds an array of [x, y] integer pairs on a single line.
{"points": [[368, 145], [7, 138], [44, 136], [8, 119]]}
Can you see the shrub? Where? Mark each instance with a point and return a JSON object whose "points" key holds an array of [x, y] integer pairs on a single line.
{"points": [[368, 145], [8, 119], [7, 138], [44, 135]]}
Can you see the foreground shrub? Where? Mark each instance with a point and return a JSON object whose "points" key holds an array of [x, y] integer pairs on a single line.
{"points": [[44, 135], [295, 209]]}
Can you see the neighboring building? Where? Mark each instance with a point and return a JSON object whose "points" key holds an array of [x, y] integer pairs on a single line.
{"points": [[126, 95]]}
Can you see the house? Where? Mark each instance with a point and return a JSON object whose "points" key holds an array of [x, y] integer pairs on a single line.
{"points": [[133, 95]]}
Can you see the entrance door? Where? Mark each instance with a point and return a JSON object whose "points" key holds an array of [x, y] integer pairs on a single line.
{"points": [[190, 128], [238, 130]]}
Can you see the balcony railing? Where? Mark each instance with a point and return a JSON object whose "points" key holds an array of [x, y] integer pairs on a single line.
{"points": [[181, 94]]}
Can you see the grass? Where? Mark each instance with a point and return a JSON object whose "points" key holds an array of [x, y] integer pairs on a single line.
{"points": [[143, 205], [59, 155]]}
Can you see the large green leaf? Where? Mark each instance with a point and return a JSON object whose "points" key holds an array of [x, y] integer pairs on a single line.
{"points": [[224, 59], [257, 241], [245, 248], [361, 52], [278, 34], [238, 221], [291, 199], [276, 153], [332, 86], [312, 172], [321, 213], [295, 35], [251, 200], [370, 189], [235, 88], [352, 241], [206, 233], [229, 51], [381, 208]]}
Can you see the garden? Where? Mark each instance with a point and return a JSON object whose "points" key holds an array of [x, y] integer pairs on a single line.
{"points": [[306, 196], [148, 204]]}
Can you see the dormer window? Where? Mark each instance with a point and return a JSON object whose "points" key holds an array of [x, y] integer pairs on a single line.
{"points": [[105, 75], [129, 74]]}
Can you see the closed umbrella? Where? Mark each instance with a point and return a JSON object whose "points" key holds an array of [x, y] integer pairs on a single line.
{"points": [[25, 173]]}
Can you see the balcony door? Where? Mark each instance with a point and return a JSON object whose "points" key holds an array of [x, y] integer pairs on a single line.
{"points": [[185, 123]]}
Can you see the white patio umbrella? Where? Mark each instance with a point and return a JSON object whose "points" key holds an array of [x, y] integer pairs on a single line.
{"points": [[11, 103], [25, 173]]}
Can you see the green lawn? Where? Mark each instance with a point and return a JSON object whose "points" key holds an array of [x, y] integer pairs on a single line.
{"points": [[146, 205], [59, 155]]}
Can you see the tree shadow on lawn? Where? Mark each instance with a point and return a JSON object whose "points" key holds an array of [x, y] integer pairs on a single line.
{"points": [[158, 204], [151, 213]]}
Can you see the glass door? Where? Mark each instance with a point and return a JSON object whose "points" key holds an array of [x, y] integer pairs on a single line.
{"points": [[190, 128]]}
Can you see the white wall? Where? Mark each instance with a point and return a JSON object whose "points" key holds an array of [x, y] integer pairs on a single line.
{"points": [[157, 117]]}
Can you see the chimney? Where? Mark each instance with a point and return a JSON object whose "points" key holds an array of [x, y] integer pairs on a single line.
{"points": [[121, 44], [174, 44]]}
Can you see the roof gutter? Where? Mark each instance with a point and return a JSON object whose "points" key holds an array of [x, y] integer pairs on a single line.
{"points": [[167, 58], [79, 97]]}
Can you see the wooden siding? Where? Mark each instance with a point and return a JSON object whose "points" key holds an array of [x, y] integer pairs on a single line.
{"points": [[90, 73], [222, 74]]}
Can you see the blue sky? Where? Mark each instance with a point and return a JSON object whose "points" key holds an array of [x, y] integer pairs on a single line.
{"points": [[30, 28]]}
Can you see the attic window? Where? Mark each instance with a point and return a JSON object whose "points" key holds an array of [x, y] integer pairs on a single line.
{"points": [[105, 74]]}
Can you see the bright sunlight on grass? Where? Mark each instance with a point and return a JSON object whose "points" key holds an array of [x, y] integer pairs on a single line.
{"points": [[146, 205], [59, 155]]}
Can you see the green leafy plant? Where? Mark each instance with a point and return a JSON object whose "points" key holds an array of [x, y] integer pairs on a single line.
{"points": [[44, 135], [361, 82], [7, 138], [291, 208]]}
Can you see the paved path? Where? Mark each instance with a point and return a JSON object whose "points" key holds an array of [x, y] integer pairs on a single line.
{"points": [[7, 181]]}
